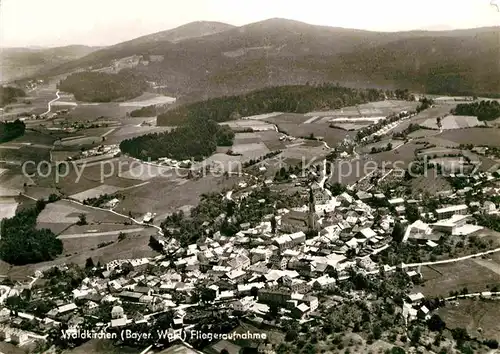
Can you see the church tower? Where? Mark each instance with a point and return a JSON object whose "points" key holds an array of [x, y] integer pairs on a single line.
{"points": [[311, 218]]}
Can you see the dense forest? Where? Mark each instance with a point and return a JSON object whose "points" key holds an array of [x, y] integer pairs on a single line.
{"points": [[103, 87], [149, 111], [22, 243], [293, 99], [484, 110], [12, 130], [197, 138], [8, 95]]}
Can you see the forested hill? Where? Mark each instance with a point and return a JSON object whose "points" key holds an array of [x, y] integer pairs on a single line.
{"points": [[11, 130], [293, 99], [9, 94], [103, 87], [196, 139]]}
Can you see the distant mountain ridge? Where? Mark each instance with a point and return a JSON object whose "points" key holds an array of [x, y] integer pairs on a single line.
{"points": [[21, 62], [207, 59]]}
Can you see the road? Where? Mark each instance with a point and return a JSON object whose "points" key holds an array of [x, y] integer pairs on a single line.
{"points": [[49, 105]]}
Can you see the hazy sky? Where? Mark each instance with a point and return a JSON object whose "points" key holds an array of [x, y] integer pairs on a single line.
{"points": [[104, 22]]}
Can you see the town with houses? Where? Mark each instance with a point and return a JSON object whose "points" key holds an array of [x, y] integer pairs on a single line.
{"points": [[275, 187], [288, 268]]}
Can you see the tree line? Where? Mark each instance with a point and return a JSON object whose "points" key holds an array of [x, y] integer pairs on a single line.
{"points": [[484, 110], [22, 243], [92, 86], [292, 99], [12, 130], [8, 94]]}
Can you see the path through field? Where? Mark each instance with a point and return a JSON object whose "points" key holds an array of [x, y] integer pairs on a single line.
{"points": [[49, 105], [96, 234]]}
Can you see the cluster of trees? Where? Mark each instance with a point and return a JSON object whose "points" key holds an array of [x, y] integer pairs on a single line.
{"points": [[269, 155], [22, 243], [8, 94], [284, 175], [12, 130], [375, 150], [403, 94], [484, 110], [102, 199], [103, 87], [197, 138], [404, 133], [491, 222], [294, 99], [424, 104], [149, 111]]}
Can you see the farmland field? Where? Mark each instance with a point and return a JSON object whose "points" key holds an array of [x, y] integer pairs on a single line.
{"points": [[255, 125], [92, 111], [7, 208], [429, 183], [430, 113], [475, 136], [163, 196], [331, 136], [473, 314], [293, 118], [131, 247], [93, 175], [453, 122], [148, 99], [439, 280], [95, 192], [66, 212], [131, 131], [371, 109]]}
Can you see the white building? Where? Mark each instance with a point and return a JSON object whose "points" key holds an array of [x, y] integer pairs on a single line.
{"points": [[445, 213]]}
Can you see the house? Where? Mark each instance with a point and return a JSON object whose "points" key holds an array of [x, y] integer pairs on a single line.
{"points": [[289, 240], [276, 296], [239, 262], [489, 207], [324, 282], [415, 298], [419, 231], [18, 337], [62, 310], [300, 311], [396, 201], [130, 296], [367, 233], [117, 312], [451, 225], [447, 212], [243, 304], [362, 195], [345, 199], [423, 313]]}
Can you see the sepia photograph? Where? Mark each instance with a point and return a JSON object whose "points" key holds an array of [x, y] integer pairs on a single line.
{"points": [[249, 177]]}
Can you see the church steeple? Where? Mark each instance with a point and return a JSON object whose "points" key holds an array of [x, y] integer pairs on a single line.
{"points": [[312, 211]]}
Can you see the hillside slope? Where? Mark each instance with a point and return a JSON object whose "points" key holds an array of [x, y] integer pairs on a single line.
{"points": [[21, 62], [284, 52]]}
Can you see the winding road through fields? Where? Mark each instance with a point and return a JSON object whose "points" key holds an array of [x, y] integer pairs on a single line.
{"points": [[49, 104]]}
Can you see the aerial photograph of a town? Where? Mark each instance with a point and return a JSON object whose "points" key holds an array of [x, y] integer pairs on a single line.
{"points": [[239, 177]]}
